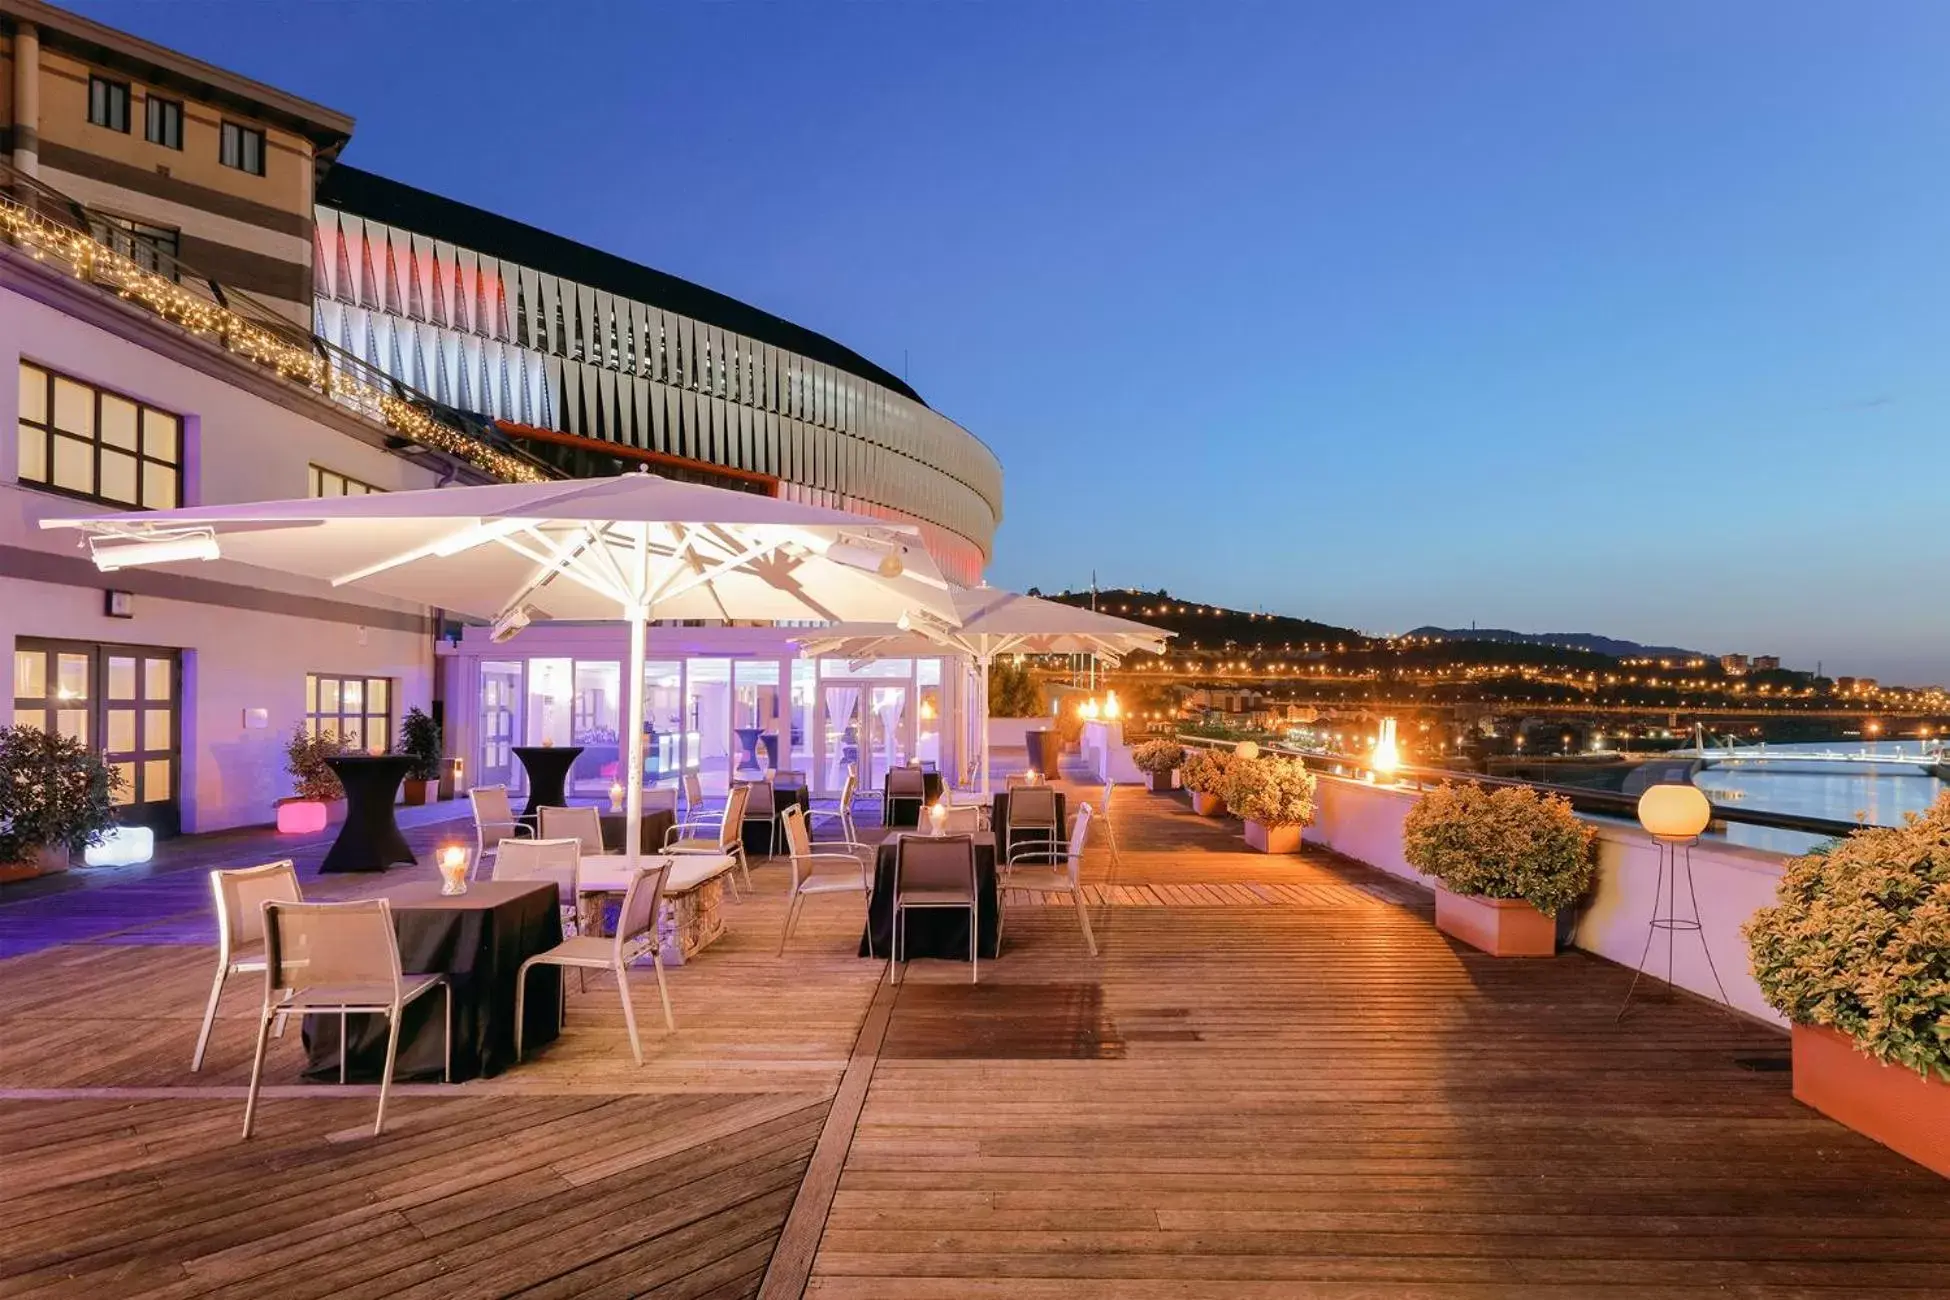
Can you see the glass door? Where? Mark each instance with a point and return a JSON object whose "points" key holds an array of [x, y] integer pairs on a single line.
{"points": [[840, 735], [500, 688], [890, 732]]}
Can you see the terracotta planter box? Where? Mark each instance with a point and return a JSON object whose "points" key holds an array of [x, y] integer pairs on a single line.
{"points": [[414, 793], [1163, 782], [1890, 1104], [1501, 927], [1208, 805], [1273, 839], [44, 862]]}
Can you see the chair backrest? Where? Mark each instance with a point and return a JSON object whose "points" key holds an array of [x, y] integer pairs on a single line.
{"points": [[847, 793], [640, 905], [798, 840], [760, 803], [789, 779], [1032, 805], [1109, 787], [320, 945], [490, 804], [1015, 781], [693, 790], [945, 862], [241, 894], [584, 825], [557, 860], [906, 783], [731, 826], [1079, 832], [963, 819]]}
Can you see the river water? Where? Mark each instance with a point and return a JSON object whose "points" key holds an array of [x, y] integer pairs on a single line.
{"points": [[1879, 795]]}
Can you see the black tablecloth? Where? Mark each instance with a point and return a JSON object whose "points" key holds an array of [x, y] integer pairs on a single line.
{"points": [[370, 839], [478, 940], [757, 838], [548, 771], [932, 932], [999, 821], [930, 785], [654, 827]]}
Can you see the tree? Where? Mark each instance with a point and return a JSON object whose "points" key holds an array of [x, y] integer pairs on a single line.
{"points": [[1013, 691]]}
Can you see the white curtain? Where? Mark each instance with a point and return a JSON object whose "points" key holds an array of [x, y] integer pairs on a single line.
{"points": [[892, 705], [840, 704]]}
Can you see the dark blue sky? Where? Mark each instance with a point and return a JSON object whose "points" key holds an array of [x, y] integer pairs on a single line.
{"points": [[1564, 316]]}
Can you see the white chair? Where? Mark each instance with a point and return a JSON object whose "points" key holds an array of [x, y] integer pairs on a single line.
{"points": [[694, 803], [816, 872], [905, 785], [583, 825], [241, 895], [725, 835], [1032, 810], [935, 871], [556, 860], [843, 814], [344, 958], [1110, 831], [963, 819], [636, 934], [494, 821], [762, 808], [1059, 871]]}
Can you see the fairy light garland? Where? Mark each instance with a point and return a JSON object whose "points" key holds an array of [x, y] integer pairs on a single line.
{"points": [[86, 259]]}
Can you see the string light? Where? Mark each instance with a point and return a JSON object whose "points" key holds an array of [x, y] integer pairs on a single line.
{"points": [[99, 264]]}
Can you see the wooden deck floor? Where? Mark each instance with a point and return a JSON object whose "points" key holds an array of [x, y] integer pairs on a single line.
{"points": [[1278, 1080]]}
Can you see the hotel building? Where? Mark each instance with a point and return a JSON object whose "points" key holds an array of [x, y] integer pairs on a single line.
{"points": [[199, 304]]}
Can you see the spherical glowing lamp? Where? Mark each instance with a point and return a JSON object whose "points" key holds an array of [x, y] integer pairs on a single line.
{"points": [[1246, 749], [1674, 812]]}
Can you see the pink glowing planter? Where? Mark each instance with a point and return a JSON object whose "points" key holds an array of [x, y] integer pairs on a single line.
{"points": [[301, 817]]}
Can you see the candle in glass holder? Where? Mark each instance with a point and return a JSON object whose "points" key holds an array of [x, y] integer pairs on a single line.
{"points": [[616, 796], [1034, 776], [938, 815], [453, 869]]}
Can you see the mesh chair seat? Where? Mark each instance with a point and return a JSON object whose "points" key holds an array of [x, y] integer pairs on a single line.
{"points": [[374, 997], [695, 845], [247, 956], [945, 896], [836, 883], [1039, 880], [586, 950]]}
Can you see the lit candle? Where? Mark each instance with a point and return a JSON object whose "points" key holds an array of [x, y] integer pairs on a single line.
{"points": [[615, 796], [453, 869], [1034, 776], [939, 815]]}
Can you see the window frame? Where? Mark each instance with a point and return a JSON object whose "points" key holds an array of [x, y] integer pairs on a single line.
{"points": [[109, 86], [319, 473], [51, 433], [243, 134], [126, 236], [153, 102], [367, 715]]}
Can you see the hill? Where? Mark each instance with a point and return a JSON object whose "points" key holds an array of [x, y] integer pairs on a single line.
{"points": [[1590, 641]]}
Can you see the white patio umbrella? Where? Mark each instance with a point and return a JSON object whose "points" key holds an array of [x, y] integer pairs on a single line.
{"points": [[989, 622], [634, 549]]}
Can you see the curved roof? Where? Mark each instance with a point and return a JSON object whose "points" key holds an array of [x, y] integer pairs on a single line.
{"points": [[366, 194]]}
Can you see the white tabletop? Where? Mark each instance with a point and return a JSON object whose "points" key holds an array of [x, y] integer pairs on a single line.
{"points": [[608, 873]]}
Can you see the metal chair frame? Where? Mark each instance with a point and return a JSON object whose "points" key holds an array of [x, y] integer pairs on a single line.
{"points": [[636, 934], [240, 935]]}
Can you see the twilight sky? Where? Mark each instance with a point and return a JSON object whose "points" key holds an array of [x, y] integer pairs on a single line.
{"points": [[1630, 318]]}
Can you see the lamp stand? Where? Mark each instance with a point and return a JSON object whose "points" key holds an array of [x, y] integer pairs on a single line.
{"points": [[1673, 853]]}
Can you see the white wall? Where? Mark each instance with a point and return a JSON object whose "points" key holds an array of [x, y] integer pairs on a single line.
{"points": [[241, 447], [1365, 823]]}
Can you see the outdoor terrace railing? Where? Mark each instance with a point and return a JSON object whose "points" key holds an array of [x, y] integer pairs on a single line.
{"points": [[1584, 799], [50, 226]]}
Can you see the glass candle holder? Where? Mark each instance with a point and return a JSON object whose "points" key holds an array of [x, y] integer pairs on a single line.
{"points": [[453, 870]]}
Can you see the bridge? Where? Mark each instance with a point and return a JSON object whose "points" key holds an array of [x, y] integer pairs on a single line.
{"points": [[1931, 761]]}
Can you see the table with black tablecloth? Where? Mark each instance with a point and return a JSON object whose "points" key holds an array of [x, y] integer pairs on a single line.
{"points": [[478, 940], [652, 829], [933, 931], [931, 791], [370, 839], [999, 820], [548, 775], [754, 834]]}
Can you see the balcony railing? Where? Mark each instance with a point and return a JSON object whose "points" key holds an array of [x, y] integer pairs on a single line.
{"points": [[51, 227]]}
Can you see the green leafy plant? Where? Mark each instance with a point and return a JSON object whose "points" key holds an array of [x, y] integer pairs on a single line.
{"points": [[1511, 842], [304, 759], [1270, 791], [1014, 691], [1204, 770], [55, 793], [419, 738], [1859, 940], [1158, 757]]}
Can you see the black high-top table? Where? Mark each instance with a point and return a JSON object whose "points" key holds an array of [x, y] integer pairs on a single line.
{"points": [[548, 775], [370, 839]]}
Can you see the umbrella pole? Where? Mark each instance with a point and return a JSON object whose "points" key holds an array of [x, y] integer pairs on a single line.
{"points": [[982, 689], [639, 617]]}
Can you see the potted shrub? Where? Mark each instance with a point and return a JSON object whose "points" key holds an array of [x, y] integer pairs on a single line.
{"points": [[1203, 773], [319, 795], [420, 741], [1158, 759], [56, 799], [1508, 861], [1856, 955], [1275, 797]]}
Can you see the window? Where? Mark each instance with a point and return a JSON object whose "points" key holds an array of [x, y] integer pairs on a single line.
{"points": [[358, 710], [122, 700], [164, 123], [153, 248], [88, 442], [108, 103], [243, 148], [329, 483]]}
